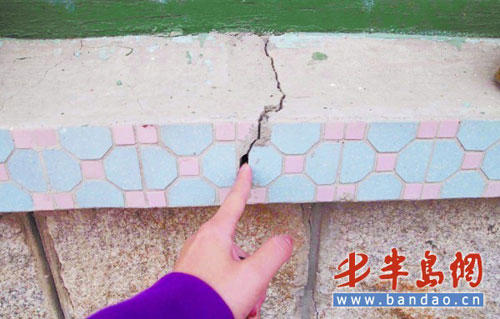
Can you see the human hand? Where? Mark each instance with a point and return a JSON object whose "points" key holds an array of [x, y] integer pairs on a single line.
{"points": [[212, 256]]}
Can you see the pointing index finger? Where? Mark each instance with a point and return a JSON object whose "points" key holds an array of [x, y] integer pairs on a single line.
{"points": [[230, 211]]}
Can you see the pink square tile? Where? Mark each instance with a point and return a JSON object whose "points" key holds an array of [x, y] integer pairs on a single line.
{"points": [[355, 131], [345, 192], [42, 202], [412, 191], [427, 129], [386, 162], [448, 128], [34, 138], [431, 191], [92, 169], [156, 199], [46, 137], [188, 166], [64, 200], [257, 195], [146, 134], [294, 164], [492, 190], [23, 139], [123, 134], [334, 131], [472, 160], [135, 199], [223, 192], [244, 129], [325, 193], [3, 173], [225, 131]]}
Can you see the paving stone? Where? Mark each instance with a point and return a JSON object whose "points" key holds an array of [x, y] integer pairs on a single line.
{"points": [[478, 135], [104, 256], [464, 184], [63, 171], [191, 192], [87, 142], [443, 227], [413, 161], [391, 137], [491, 163], [446, 160], [357, 161], [295, 138], [24, 292], [6, 145], [159, 167], [25, 168], [122, 168], [187, 139], [220, 164], [291, 189]]}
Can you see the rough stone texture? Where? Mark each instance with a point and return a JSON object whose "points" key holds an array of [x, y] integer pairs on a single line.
{"points": [[443, 227], [104, 256], [24, 292]]}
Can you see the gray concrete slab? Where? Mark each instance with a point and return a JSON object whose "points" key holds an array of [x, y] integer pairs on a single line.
{"points": [[134, 80], [443, 227], [103, 256], [383, 77]]}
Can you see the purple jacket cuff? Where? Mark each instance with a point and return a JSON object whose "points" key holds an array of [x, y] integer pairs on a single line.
{"points": [[176, 295]]}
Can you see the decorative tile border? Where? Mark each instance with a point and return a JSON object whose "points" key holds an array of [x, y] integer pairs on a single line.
{"points": [[195, 164]]}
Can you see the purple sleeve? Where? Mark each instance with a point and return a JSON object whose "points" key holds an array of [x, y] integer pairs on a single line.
{"points": [[176, 295]]}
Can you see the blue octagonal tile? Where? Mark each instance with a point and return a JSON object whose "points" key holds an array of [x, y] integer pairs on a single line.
{"points": [[379, 187], [26, 169], [122, 168], [446, 160], [86, 142], [491, 163], [266, 164], [479, 135], [291, 188], [322, 163], [191, 192], [413, 161], [464, 184], [6, 145], [189, 139], [63, 171], [13, 199], [99, 194], [159, 167], [391, 137], [357, 162], [295, 138], [219, 164]]}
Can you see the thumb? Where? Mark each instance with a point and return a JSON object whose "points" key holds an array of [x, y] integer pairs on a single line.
{"points": [[268, 259]]}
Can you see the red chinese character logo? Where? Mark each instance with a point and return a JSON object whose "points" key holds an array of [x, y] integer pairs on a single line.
{"points": [[427, 273], [353, 267], [394, 268], [464, 268]]}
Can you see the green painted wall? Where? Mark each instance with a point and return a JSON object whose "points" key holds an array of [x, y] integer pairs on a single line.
{"points": [[83, 18]]}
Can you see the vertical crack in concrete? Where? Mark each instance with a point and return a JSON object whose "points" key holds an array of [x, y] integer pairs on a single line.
{"points": [[35, 240], [264, 115], [314, 223]]}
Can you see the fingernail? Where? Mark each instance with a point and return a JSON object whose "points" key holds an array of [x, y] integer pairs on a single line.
{"points": [[244, 167], [253, 313]]}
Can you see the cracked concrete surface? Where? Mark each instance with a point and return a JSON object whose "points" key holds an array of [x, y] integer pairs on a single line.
{"points": [[134, 79]]}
